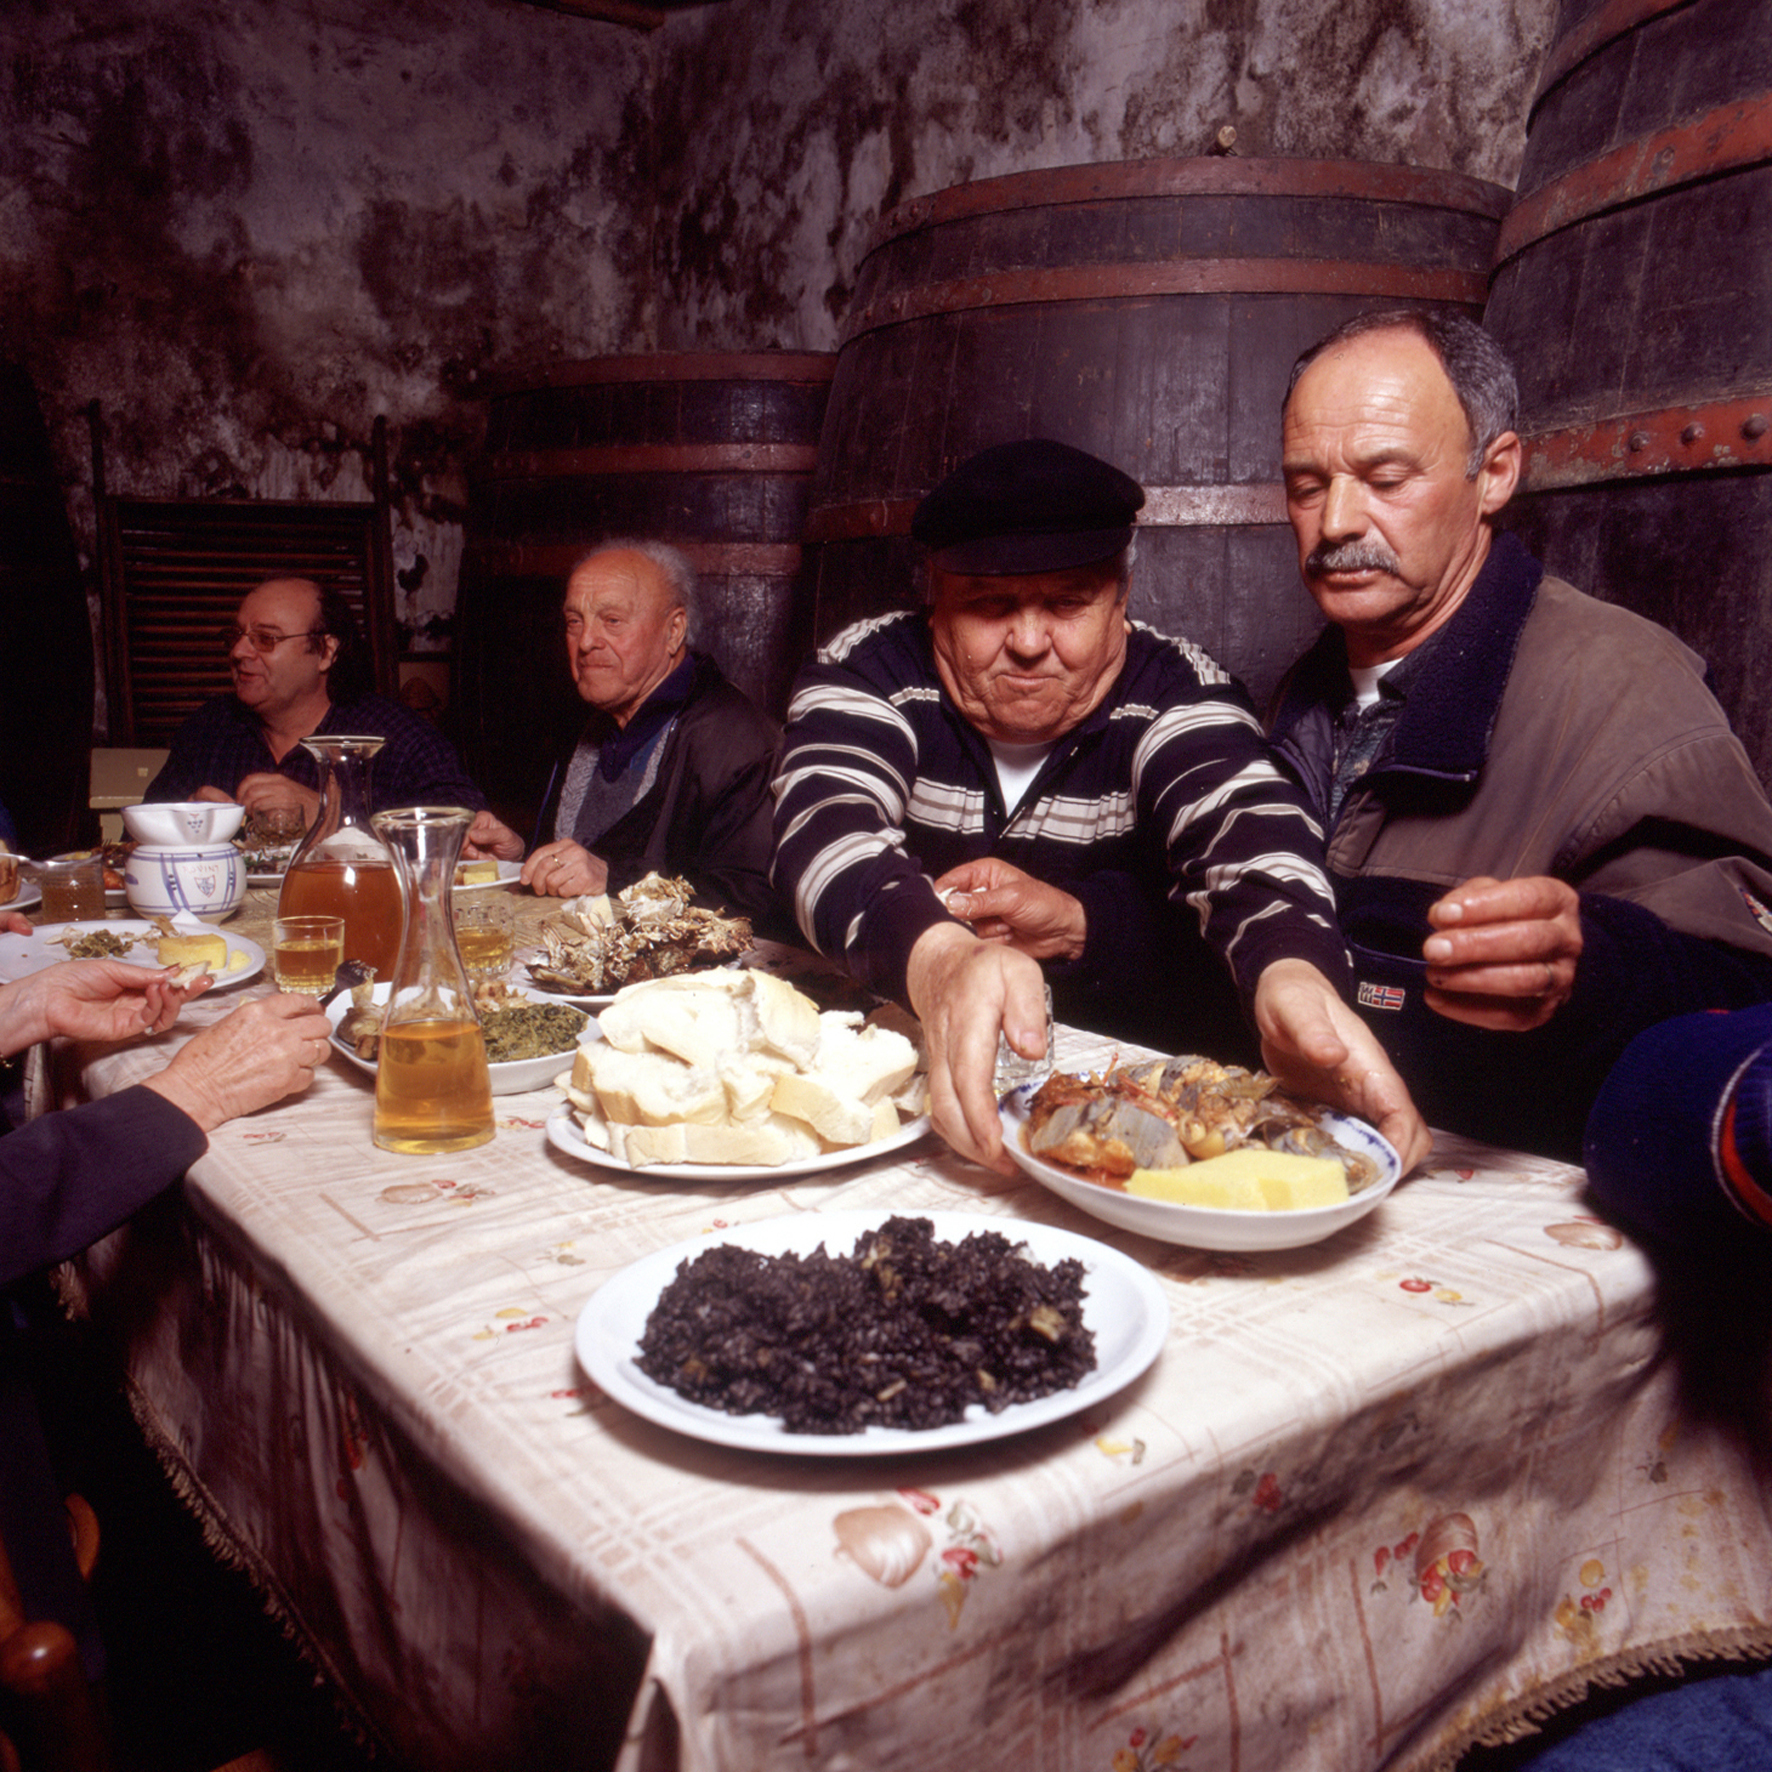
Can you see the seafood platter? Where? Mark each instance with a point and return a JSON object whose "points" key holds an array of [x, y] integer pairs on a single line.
{"points": [[593, 946], [1189, 1151]]}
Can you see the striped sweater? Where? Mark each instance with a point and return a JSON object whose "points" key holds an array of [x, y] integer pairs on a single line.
{"points": [[1162, 812]]}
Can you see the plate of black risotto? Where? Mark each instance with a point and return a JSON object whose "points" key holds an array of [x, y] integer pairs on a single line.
{"points": [[860, 1334]]}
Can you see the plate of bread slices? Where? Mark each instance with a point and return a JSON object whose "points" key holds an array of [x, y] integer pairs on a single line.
{"points": [[727, 1074], [184, 942]]}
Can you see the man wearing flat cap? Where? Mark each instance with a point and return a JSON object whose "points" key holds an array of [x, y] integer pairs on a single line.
{"points": [[1018, 786]]}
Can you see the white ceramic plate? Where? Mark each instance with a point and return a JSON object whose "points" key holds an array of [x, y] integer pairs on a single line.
{"points": [[1206, 1227], [1122, 1304], [21, 955], [264, 876], [565, 1134], [507, 876], [29, 893], [514, 1078]]}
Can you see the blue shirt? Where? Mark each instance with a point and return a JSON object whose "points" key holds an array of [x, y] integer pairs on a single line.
{"points": [[223, 743]]}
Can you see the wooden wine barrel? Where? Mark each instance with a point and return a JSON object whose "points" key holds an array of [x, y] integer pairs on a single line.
{"points": [[46, 665], [1149, 312], [710, 451], [1633, 288]]}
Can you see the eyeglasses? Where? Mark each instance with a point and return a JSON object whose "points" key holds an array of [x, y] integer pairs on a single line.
{"points": [[263, 640]]}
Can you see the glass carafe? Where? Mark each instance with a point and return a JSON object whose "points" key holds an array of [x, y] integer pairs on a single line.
{"points": [[432, 1088], [343, 869]]}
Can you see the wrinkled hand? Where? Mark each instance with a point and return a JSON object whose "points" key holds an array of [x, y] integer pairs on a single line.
{"points": [[90, 1000], [1503, 953], [564, 870], [489, 836], [266, 1049], [1318, 1047], [268, 791], [964, 991], [1004, 904]]}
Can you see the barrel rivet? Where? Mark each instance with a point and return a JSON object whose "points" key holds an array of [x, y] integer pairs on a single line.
{"points": [[1756, 426], [1638, 442], [1692, 433]]}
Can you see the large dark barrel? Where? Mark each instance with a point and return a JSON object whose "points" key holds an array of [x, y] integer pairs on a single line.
{"points": [[1634, 289], [710, 451], [1149, 312], [46, 663]]}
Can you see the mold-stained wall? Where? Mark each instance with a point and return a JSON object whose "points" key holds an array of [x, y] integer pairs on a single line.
{"points": [[247, 227], [785, 130]]}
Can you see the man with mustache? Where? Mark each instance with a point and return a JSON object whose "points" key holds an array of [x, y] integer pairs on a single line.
{"points": [[1018, 786], [1543, 836]]}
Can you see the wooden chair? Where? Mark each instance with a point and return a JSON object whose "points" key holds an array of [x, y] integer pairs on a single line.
{"points": [[173, 572], [55, 1710], [43, 1688]]}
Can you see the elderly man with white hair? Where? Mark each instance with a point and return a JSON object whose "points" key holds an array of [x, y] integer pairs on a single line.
{"points": [[671, 769]]}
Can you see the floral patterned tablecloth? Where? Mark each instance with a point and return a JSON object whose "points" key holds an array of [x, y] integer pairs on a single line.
{"points": [[1376, 1499]]}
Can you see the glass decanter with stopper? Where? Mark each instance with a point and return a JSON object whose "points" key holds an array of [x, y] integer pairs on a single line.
{"points": [[433, 1091], [343, 869]]}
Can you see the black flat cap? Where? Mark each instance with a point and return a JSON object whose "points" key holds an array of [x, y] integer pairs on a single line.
{"points": [[1033, 506]]}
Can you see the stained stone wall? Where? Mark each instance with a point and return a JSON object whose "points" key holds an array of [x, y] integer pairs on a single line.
{"points": [[248, 227], [784, 130]]}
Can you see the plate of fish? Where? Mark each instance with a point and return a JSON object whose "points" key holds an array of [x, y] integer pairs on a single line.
{"points": [[593, 946], [1189, 1151]]}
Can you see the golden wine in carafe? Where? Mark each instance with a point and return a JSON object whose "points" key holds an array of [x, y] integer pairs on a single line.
{"points": [[366, 894], [343, 869], [432, 1091]]}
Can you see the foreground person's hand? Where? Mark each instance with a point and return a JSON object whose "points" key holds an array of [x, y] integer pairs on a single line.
{"points": [[266, 1049], [1318, 1047], [565, 869], [1004, 904], [90, 1000], [1503, 954], [964, 991], [491, 836], [15, 923]]}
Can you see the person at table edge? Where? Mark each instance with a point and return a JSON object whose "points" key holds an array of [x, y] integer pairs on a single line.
{"points": [[1072, 779], [68, 1178], [301, 671], [1543, 836], [670, 771]]}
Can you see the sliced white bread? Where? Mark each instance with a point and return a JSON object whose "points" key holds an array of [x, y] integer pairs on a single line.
{"points": [[866, 1062], [650, 1089], [765, 1142]]}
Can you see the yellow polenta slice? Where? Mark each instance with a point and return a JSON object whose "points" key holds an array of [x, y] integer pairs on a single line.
{"points": [[1247, 1180]]}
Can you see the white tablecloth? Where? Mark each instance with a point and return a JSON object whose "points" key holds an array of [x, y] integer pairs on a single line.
{"points": [[1376, 1499]]}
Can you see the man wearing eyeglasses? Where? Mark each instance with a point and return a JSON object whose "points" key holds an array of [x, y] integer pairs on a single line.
{"points": [[300, 669]]}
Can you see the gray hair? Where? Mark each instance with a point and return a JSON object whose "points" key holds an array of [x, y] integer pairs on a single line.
{"points": [[673, 565], [1478, 368]]}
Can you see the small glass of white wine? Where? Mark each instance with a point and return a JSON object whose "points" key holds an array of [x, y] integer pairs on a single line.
{"points": [[306, 952]]}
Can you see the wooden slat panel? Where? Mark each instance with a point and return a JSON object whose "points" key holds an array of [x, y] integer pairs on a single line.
{"points": [[177, 572]]}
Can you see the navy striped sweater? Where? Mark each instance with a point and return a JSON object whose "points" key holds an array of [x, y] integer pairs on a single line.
{"points": [[1162, 812]]}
